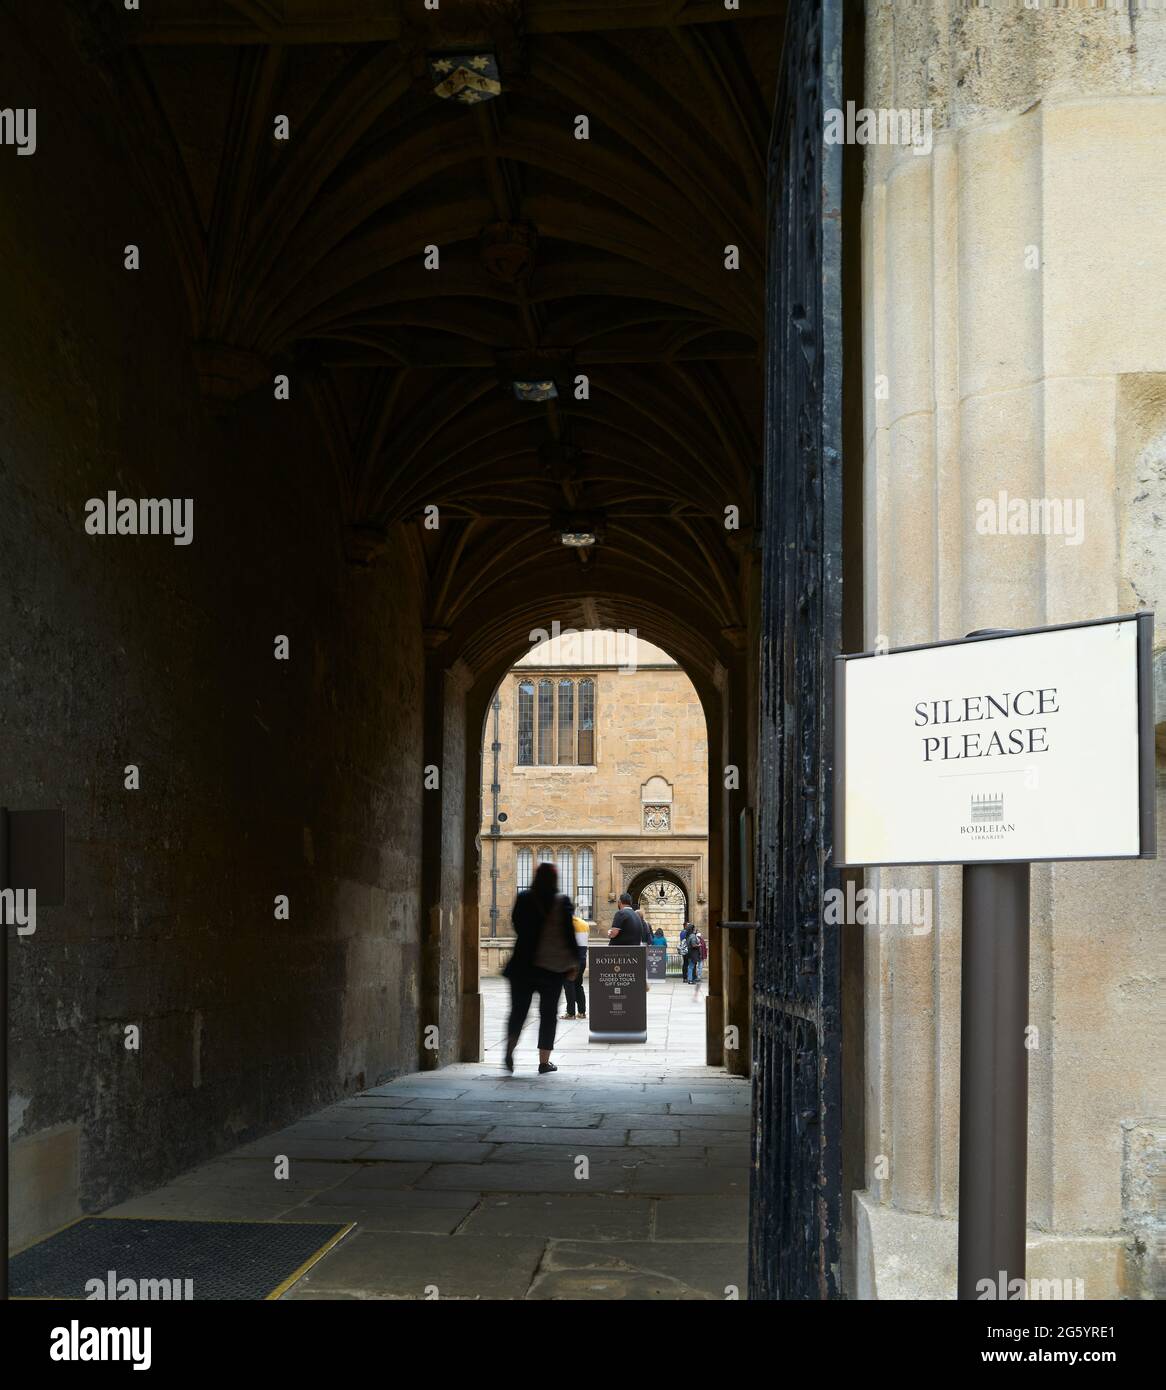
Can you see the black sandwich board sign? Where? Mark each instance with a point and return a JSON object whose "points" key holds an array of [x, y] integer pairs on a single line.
{"points": [[618, 1006], [993, 752], [657, 962]]}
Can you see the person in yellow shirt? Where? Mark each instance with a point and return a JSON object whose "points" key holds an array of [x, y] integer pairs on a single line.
{"points": [[573, 989]]}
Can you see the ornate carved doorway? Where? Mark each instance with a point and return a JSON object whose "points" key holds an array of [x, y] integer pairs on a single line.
{"points": [[665, 905]]}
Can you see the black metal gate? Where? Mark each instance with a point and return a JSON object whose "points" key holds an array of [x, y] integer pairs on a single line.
{"points": [[795, 1194]]}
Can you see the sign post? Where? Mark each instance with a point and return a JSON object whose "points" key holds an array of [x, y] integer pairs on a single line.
{"points": [[993, 1077], [657, 962], [997, 751]]}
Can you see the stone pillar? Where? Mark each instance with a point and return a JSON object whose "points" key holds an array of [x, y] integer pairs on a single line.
{"points": [[459, 804], [471, 1040], [444, 810], [1014, 321], [432, 907]]}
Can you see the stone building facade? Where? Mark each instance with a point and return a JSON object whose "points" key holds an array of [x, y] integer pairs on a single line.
{"points": [[602, 768]]}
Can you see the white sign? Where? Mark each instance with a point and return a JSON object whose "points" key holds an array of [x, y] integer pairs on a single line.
{"points": [[1019, 747]]}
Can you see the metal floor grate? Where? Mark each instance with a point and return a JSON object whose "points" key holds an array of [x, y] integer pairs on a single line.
{"points": [[222, 1259]]}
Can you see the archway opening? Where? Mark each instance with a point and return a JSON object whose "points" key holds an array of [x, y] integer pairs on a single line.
{"points": [[661, 897], [595, 758]]}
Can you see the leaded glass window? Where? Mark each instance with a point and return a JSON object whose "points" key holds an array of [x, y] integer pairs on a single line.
{"points": [[546, 721], [525, 723], [566, 721], [585, 887], [586, 722], [566, 873], [525, 868]]}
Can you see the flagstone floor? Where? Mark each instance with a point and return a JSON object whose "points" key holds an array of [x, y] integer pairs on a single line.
{"points": [[623, 1175]]}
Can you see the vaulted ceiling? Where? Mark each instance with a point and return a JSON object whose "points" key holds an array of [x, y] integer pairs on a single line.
{"points": [[558, 258]]}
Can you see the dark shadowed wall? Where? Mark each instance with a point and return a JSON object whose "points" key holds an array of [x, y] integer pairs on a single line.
{"points": [[258, 777]]}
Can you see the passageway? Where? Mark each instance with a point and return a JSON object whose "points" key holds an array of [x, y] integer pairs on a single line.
{"points": [[397, 336], [468, 1183], [431, 377]]}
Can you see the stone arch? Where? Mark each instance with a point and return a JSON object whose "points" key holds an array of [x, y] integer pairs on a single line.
{"points": [[656, 788], [641, 878]]}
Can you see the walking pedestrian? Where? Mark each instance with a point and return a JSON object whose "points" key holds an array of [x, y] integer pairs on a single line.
{"points": [[544, 953]]}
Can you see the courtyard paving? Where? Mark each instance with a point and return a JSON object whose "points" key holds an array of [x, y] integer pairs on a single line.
{"points": [[623, 1175]]}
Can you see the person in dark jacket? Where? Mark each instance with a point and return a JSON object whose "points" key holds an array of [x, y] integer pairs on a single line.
{"points": [[627, 926], [696, 954], [544, 955]]}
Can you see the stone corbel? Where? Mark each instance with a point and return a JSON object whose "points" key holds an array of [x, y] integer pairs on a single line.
{"points": [[364, 545]]}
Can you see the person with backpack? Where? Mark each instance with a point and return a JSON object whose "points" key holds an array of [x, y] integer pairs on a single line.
{"points": [[697, 953]]}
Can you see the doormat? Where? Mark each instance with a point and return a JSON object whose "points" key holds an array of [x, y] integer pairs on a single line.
{"points": [[127, 1258]]}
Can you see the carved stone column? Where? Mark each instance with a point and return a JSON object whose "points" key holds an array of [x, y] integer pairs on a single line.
{"points": [[1014, 296]]}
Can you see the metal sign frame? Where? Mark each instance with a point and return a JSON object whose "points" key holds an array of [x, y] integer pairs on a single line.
{"points": [[1146, 791]]}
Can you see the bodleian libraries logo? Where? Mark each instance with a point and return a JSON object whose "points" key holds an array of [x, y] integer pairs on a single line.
{"points": [[863, 125], [986, 819]]}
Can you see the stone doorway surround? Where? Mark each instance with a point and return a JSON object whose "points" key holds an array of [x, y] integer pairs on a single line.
{"points": [[686, 869]]}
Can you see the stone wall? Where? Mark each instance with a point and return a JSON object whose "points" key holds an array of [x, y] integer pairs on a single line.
{"points": [[258, 777], [1014, 297]]}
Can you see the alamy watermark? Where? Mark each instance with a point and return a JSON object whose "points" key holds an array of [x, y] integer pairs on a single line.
{"points": [[616, 647], [18, 127], [878, 907], [129, 1289], [18, 909], [1036, 1289], [1031, 516], [78, 1343], [864, 125], [112, 515]]}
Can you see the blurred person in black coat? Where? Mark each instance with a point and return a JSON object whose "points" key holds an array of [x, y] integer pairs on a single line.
{"points": [[544, 956]]}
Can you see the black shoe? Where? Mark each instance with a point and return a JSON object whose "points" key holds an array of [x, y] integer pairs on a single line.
{"points": [[509, 1063], [544, 1067]]}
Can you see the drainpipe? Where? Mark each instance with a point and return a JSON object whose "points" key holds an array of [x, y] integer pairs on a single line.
{"points": [[495, 788]]}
